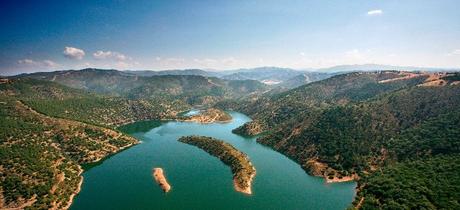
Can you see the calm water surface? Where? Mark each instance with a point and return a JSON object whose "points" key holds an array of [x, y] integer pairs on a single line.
{"points": [[201, 181]]}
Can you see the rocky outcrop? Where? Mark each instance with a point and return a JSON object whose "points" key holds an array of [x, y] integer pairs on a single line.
{"points": [[160, 178], [316, 168]]}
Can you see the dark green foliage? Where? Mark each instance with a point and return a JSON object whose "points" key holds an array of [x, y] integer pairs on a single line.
{"points": [[439, 135], [142, 126], [432, 183]]}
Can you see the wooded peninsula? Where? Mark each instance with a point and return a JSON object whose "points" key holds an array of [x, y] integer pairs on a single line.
{"points": [[242, 169]]}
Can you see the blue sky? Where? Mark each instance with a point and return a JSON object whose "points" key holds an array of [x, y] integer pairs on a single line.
{"points": [[217, 34]]}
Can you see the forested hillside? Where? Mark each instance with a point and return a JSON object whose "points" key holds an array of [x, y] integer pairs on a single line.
{"points": [[270, 111], [358, 124], [57, 100], [40, 156]]}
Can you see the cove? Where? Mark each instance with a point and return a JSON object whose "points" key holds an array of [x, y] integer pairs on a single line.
{"points": [[199, 180]]}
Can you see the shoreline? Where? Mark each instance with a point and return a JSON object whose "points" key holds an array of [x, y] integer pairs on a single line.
{"points": [[81, 171], [75, 193], [203, 122], [343, 179]]}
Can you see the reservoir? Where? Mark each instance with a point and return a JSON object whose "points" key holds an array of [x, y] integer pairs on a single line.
{"points": [[199, 180]]}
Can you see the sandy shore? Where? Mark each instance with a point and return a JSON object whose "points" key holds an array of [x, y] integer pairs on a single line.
{"points": [[343, 179], [161, 179], [245, 190]]}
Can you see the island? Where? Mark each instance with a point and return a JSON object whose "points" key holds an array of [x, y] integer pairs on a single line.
{"points": [[242, 169], [210, 115], [160, 178]]}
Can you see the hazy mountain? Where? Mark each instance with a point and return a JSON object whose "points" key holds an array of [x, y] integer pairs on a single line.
{"points": [[379, 67], [304, 78], [268, 75], [199, 72]]}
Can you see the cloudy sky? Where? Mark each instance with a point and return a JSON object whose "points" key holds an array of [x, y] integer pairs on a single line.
{"points": [[218, 34]]}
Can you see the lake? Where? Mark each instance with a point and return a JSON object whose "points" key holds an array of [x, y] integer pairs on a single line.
{"points": [[199, 180]]}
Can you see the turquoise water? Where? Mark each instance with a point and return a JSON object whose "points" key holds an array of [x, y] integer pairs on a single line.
{"points": [[201, 181]]}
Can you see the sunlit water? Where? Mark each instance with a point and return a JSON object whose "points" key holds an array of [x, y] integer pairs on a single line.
{"points": [[199, 180]]}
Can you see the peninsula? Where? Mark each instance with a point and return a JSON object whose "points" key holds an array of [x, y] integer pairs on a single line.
{"points": [[160, 178], [242, 169], [209, 116]]}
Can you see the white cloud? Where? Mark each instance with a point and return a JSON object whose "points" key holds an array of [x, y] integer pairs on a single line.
{"points": [[100, 55], [27, 62], [49, 63], [375, 12], [73, 53], [38, 64]]}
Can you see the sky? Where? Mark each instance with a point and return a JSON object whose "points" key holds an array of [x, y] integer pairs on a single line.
{"points": [[217, 34]]}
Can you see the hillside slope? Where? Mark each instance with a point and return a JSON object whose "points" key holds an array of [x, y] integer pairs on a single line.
{"points": [[305, 100], [357, 125], [57, 100], [40, 156]]}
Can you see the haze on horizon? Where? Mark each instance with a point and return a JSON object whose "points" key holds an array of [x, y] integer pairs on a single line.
{"points": [[158, 35]]}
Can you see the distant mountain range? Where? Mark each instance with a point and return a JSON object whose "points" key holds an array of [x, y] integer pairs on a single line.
{"points": [[148, 73], [185, 85], [285, 78], [378, 67]]}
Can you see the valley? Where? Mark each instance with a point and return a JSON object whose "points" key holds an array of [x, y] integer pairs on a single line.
{"points": [[249, 104], [357, 126]]}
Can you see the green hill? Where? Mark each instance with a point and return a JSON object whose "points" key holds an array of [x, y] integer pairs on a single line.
{"points": [[305, 100], [40, 155], [360, 124], [57, 100]]}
